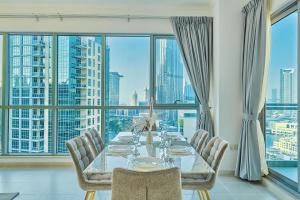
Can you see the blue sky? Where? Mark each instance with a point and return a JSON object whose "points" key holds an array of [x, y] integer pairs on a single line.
{"points": [[283, 50], [130, 56]]}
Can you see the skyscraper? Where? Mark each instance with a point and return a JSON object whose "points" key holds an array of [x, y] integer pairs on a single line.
{"points": [[274, 96], [146, 95], [189, 95], [169, 77], [134, 99], [114, 88], [31, 84], [79, 68], [29, 57], [170, 74], [287, 86]]}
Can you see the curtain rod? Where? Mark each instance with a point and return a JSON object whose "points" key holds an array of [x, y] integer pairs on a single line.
{"points": [[78, 16]]}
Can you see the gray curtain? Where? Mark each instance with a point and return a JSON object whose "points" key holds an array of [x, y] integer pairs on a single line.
{"points": [[195, 40], [251, 161]]}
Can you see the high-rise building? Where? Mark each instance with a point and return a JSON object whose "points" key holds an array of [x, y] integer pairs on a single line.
{"points": [[134, 99], [189, 95], [79, 64], [114, 88], [170, 74], [169, 77], [30, 64], [146, 95], [274, 98], [287, 77]]}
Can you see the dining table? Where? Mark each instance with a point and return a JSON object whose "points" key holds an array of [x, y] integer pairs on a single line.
{"points": [[167, 151]]}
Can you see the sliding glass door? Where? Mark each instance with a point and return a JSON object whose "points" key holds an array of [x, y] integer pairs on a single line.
{"points": [[281, 110]]}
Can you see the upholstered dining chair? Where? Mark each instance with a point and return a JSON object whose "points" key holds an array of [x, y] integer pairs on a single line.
{"points": [[82, 157], [198, 140], [154, 185], [95, 140], [213, 154]]}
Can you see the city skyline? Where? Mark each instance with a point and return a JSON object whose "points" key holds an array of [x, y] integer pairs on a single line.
{"points": [[283, 51], [281, 125], [79, 84]]}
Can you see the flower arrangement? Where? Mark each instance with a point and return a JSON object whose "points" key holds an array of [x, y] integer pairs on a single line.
{"points": [[146, 123]]}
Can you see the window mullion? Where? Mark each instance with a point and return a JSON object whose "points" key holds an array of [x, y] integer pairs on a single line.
{"points": [[54, 111], [4, 118], [103, 71]]}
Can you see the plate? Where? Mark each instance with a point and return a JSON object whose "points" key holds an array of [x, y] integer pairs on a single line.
{"points": [[174, 137], [148, 164], [179, 150], [125, 138], [119, 148]]}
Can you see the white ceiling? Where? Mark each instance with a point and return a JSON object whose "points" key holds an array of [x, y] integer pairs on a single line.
{"points": [[130, 7], [124, 2]]}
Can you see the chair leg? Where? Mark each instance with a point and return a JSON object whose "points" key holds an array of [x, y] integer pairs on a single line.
{"points": [[89, 195], [207, 194], [92, 196], [199, 195], [203, 194]]}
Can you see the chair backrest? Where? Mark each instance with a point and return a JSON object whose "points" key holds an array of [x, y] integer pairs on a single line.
{"points": [[155, 185], [198, 140], [213, 154], [81, 155], [95, 140]]}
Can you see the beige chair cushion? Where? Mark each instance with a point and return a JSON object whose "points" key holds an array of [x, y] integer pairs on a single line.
{"points": [[156, 185], [82, 156], [198, 140], [95, 140], [212, 154]]}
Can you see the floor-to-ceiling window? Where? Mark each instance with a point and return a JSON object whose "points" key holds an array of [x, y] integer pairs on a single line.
{"points": [[56, 86], [78, 86], [137, 75], [281, 113], [173, 88], [1, 86], [127, 68], [30, 75]]}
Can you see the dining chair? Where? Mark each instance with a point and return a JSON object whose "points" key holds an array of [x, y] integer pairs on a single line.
{"points": [[213, 154], [155, 185], [82, 157], [198, 140], [95, 140]]}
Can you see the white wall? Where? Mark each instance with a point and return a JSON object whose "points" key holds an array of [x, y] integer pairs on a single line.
{"points": [[227, 96], [227, 99]]}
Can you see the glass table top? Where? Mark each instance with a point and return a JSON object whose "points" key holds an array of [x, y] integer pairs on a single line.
{"points": [[121, 153]]}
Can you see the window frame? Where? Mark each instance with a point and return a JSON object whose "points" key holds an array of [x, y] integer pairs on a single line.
{"points": [[54, 107], [292, 186]]}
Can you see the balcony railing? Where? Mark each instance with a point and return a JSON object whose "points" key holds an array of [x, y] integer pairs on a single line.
{"points": [[281, 106]]}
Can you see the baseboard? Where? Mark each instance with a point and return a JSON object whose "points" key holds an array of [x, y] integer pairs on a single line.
{"points": [[226, 173], [35, 161], [279, 190]]}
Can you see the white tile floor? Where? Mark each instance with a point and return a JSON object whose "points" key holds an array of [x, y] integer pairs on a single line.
{"points": [[61, 184]]}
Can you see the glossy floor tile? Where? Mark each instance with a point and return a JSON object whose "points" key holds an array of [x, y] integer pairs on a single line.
{"points": [[61, 184]]}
